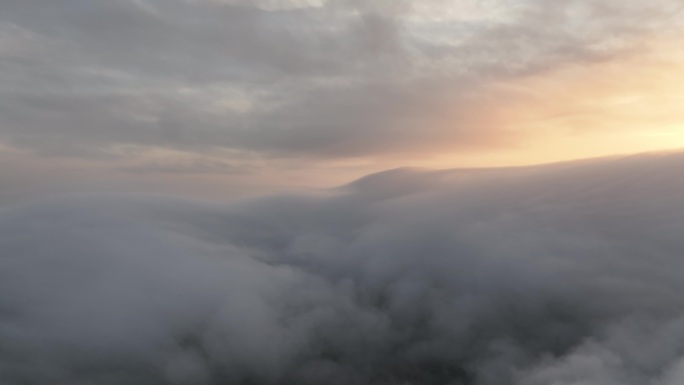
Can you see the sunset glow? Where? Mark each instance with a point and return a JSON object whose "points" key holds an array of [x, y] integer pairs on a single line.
{"points": [[305, 94]]}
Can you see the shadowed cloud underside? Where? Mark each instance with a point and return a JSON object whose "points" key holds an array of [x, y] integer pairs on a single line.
{"points": [[262, 88]]}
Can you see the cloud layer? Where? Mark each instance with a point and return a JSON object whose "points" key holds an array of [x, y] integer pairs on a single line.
{"points": [[292, 79], [561, 274]]}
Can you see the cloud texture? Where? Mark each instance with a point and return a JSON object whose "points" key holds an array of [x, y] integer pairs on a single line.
{"points": [[561, 274], [292, 79]]}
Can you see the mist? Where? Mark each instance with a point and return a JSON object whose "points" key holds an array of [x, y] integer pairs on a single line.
{"points": [[569, 273]]}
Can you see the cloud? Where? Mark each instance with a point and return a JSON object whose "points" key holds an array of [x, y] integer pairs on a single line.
{"points": [[193, 166], [297, 79], [566, 273]]}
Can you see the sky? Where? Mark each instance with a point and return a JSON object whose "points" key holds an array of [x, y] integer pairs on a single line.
{"points": [[232, 98]]}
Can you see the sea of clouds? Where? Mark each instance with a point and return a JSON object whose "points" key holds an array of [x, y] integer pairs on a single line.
{"points": [[563, 274]]}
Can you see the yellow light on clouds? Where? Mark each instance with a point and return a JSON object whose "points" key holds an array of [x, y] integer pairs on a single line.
{"points": [[629, 103]]}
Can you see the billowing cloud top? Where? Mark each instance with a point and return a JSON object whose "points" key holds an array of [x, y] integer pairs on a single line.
{"points": [[554, 275], [225, 82]]}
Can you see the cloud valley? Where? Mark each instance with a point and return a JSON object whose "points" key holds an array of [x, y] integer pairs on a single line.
{"points": [[567, 273]]}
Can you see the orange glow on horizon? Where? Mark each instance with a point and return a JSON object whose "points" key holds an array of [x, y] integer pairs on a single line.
{"points": [[628, 104]]}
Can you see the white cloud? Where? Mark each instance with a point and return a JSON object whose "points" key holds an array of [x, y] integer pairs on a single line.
{"points": [[561, 274]]}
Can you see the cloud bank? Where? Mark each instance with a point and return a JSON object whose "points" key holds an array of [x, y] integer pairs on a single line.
{"points": [[292, 79], [561, 274]]}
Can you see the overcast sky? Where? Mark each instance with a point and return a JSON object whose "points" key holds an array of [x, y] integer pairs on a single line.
{"points": [[235, 97]]}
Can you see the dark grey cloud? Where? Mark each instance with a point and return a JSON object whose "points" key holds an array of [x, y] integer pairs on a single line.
{"points": [[190, 166], [294, 78], [568, 273]]}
